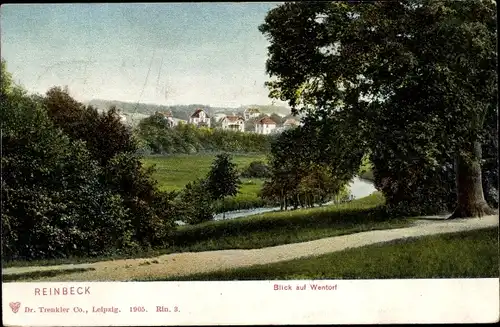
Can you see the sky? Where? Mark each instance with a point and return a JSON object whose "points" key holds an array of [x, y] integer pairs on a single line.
{"points": [[195, 53]]}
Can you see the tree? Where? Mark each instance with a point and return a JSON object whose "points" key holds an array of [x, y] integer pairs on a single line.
{"points": [[197, 203], [104, 133], [223, 179], [421, 74], [53, 203]]}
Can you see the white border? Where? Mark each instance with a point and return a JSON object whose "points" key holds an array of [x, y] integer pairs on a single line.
{"points": [[256, 302]]}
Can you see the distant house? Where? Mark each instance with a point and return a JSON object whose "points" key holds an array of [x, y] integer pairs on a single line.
{"points": [[200, 118], [234, 123], [265, 126], [290, 122], [251, 113]]}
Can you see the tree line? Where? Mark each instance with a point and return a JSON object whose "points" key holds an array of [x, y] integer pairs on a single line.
{"points": [[297, 178], [158, 137]]}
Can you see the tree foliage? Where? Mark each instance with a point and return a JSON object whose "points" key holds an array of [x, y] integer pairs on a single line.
{"points": [[104, 133], [223, 178], [413, 82], [196, 202], [159, 138], [300, 175]]}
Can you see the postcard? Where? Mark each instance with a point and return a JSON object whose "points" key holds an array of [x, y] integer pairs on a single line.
{"points": [[247, 163]]}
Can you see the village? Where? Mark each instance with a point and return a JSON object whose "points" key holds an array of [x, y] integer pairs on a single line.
{"points": [[251, 120]]}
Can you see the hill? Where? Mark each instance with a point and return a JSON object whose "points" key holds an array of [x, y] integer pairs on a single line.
{"points": [[269, 109], [180, 111]]}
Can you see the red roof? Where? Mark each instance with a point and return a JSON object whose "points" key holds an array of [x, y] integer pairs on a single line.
{"points": [[196, 114], [267, 120]]}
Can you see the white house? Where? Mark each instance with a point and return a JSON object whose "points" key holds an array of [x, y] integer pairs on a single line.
{"points": [[234, 123], [200, 118], [251, 113], [265, 126], [290, 122]]}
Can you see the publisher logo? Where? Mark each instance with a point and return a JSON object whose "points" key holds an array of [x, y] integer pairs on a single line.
{"points": [[15, 306]]}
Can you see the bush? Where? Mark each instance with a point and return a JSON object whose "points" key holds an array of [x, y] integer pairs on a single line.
{"points": [[256, 169], [237, 203], [415, 189]]}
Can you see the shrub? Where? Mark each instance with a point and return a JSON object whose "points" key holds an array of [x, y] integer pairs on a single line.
{"points": [[256, 169], [197, 204]]}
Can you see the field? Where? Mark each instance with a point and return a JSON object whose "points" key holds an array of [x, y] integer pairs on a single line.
{"points": [[173, 172]]}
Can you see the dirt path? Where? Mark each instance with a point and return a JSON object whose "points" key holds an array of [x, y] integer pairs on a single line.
{"points": [[197, 262]]}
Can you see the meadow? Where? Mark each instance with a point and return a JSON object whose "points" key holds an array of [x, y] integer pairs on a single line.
{"points": [[173, 172]]}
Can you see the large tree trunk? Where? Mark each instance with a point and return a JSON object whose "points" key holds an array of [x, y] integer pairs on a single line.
{"points": [[470, 195]]}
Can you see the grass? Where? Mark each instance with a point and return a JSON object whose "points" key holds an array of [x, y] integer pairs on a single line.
{"points": [[173, 172], [258, 231], [42, 273], [276, 228], [472, 254]]}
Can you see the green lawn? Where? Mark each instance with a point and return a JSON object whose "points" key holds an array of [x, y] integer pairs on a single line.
{"points": [[471, 254], [175, 171]]}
